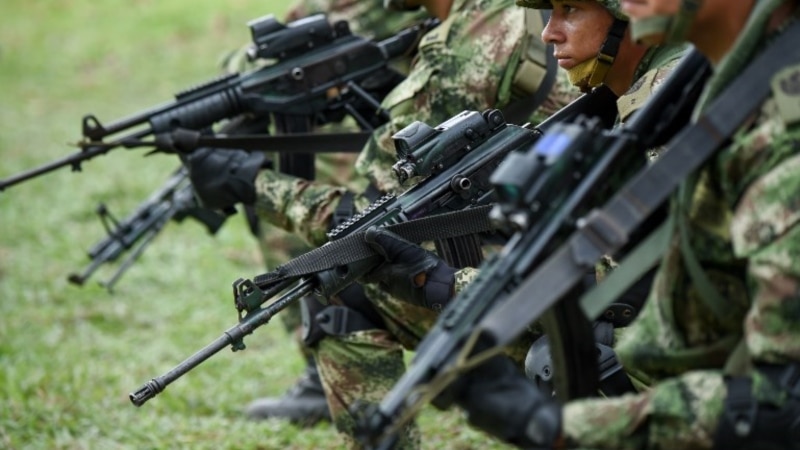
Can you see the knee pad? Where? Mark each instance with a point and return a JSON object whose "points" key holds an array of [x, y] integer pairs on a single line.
{"points": [[334, 321]]}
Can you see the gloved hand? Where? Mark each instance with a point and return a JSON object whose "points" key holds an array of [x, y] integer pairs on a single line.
{"points": [[501, 401], [761, 410], [410, 272], [222, 178]]}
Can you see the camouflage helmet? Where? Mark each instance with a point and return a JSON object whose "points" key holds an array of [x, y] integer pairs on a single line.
{"points": [[613, 6]]}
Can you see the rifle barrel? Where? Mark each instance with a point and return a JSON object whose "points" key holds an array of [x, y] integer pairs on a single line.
{"points": [[233, 336], [73, 160]]}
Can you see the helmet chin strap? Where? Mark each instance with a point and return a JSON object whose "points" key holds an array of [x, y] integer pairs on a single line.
{"points": [[673, 28], [591, 73], [580, 75], [608, 52]]}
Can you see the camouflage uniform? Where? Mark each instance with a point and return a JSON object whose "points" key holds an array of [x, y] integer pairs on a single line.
{"points": [[468, 62], [742, 216]]}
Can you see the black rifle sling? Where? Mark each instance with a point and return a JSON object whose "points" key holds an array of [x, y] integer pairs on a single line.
{"points": [[188, 140], [607, 230], [353, 248]]}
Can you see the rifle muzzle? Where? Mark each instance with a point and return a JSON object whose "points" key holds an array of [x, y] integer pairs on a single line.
{"points": [[146, 392]]}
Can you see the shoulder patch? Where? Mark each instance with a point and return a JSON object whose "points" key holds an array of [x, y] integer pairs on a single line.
{"points": [[637, 95], [786, 91], [439, 34]]}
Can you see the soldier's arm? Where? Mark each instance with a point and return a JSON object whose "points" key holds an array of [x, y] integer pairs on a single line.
{"points": [[301, 207]]}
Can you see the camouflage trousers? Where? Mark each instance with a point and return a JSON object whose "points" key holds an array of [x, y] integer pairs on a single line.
{"points": [[364, 366]]}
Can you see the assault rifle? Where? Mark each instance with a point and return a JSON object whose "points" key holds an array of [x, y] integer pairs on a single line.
{"points": [[175, 200], [309, 58], [320, 72], [453, 163], [543, 194]]}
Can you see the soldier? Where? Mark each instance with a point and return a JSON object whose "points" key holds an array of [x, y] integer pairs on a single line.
{"points": [[454, 71], [654, 63], [590, 42], [304, 403], [720, 330], [476, 59]]}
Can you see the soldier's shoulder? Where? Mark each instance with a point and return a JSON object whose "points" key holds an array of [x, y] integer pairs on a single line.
{"points": [[661, 63]]}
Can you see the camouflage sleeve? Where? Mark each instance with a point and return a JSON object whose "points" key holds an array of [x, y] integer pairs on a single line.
{"points": [[464, 277], [301, 207], [674, 414], [765, 230]]}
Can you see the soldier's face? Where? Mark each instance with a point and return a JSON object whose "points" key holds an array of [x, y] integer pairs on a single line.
{"points": [[576, 29]]}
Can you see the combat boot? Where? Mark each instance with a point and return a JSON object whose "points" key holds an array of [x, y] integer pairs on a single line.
{"points": [[303, 404]]}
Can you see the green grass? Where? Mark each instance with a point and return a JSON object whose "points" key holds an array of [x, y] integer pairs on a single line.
{"points": [[70, 355]]}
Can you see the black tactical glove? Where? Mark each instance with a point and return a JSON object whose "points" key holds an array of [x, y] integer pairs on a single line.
{"points": [[499, 400], [222, 178], [410, 272], [770, 423]]}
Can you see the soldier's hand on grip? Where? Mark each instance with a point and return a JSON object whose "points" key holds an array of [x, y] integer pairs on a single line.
{"points": [[223, 178], [499, 399], [410, 272]]}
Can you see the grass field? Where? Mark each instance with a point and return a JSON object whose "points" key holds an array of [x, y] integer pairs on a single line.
{"points": [[70, 355]]}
